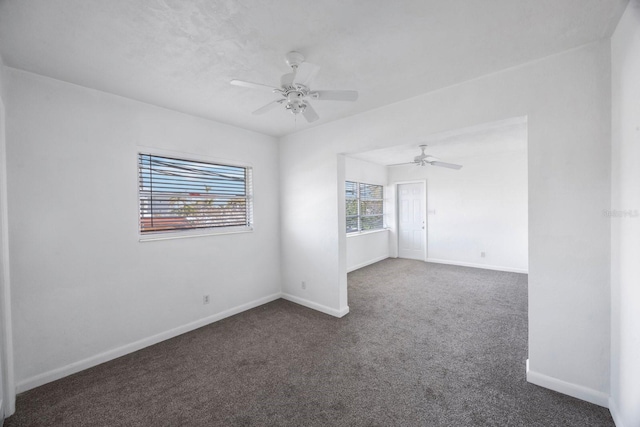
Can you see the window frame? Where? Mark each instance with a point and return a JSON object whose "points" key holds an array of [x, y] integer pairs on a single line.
{"points": [[191, 232], [359, 200]]}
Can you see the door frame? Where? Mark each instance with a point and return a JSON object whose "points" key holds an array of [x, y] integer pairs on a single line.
{"points": [[424, 216], [8, 402]]}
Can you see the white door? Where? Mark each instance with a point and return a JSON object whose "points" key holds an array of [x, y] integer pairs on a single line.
{"points": [[412, 229]]}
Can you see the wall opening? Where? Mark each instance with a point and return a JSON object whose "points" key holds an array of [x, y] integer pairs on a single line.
{"points": [[477, 216]]}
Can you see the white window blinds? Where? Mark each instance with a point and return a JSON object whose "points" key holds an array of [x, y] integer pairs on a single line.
{"points": [[178, 194]]}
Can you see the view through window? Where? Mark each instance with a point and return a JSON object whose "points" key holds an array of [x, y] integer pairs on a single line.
{"points": [[178, 194], [364, 206]]}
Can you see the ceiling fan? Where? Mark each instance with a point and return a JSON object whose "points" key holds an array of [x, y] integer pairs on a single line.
{"points": [[426, 159], [295, 91]]}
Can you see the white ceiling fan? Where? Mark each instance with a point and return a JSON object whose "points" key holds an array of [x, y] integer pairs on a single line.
{"points": [[426, 159], [295, 91]]}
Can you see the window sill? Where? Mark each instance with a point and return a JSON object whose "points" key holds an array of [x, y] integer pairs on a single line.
{"points": [[361, 233], [187, 235]]}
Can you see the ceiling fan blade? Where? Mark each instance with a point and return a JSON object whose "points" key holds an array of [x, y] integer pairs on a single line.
{"points": [[310, 114], [250, 85], [445, 165], [304, 73], [335, 95], [270, 106], [402, 164]]}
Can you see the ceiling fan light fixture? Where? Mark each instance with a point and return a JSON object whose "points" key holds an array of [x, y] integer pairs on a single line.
{"points": [[296, 107]]}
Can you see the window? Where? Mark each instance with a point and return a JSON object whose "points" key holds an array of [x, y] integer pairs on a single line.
{"points": [[177, 194], [364, 206]]}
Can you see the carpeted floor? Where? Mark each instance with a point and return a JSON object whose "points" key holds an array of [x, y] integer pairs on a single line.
{"points": [[423, 345]]}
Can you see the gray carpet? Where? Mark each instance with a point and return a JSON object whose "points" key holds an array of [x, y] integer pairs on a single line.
{"points": [[423, 345]]}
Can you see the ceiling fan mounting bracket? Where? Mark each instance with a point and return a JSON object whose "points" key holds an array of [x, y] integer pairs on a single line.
{"points": [[294, 59]]}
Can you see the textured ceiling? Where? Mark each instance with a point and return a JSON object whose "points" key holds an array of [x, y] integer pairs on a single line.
{"points": [[181, 54]]}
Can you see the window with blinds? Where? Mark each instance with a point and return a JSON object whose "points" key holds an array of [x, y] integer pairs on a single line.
{"points": [[178, 194], [364, 206]]}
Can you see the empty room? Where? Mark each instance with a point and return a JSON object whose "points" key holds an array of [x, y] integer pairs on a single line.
{"points": [[420, 212]]}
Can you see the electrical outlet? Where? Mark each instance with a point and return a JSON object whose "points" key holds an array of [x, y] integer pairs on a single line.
{"points": [[482, 254], [303, 284], [205, 299]]}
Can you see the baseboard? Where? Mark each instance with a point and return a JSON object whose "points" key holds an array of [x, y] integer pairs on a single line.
{"points": [[570, 389], [615, 413], [369, 262], [485, 266], [90, 362], [315, 306]]}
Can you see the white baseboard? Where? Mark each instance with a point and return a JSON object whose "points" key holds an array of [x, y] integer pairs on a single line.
{"points": [[368, 262], [485, 266], [564, 387], [90, 362], [615, 413], [315, 306], [72, 368]]}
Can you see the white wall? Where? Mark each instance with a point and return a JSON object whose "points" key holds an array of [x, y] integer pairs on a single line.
{"points": [[566, 98], [625, 224], [84, 288], [479, 208], [369, 247], [2, 79], [362, 171]]}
